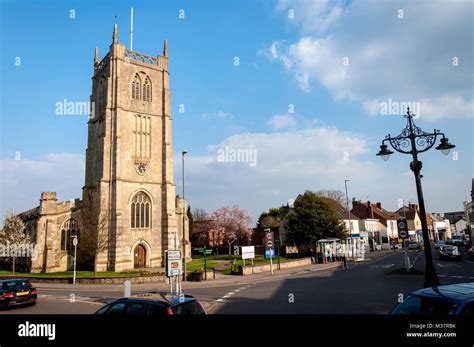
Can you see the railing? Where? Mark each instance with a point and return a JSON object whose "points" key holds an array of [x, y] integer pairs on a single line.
{"points": [[142, 58]]}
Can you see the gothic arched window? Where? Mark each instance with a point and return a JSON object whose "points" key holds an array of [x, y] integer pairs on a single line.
{"points": [[136, 87], [69, 229], [140, 211], [147, 89]]}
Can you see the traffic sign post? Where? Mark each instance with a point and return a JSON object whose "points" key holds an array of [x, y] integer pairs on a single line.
{"points": [[402, 227], [269, 243], [174, 268]]}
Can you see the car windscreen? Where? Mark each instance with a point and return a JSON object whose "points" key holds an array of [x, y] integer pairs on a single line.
{"points": [[419, 305], [9, 285], [189, 307]]}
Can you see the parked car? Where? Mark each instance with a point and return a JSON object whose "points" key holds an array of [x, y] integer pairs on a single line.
{"points": [[153, 304], [413, 245], [439, 243], [471, 252], [457, 242], [453, 299], [17, 292], [450, 252]]}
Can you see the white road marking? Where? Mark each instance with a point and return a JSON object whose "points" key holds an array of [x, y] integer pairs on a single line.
{"points": [[442, 276], [457, 276], [448, 265], [229, 294]]}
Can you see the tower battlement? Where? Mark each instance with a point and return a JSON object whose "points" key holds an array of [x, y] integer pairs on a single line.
{"points": [[160, 62]]}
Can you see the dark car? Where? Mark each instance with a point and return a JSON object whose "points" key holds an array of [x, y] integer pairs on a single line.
{"points": [[17, 292], [439, 243], [414, 245], [471, 252], [453, 299], [153, 304], [449, 252]]}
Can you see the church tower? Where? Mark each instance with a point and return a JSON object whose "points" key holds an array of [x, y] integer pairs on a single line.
{"points": [[129, 158]]}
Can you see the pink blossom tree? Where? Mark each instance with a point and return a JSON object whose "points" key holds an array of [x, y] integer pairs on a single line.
{"points": [[232, 223]]}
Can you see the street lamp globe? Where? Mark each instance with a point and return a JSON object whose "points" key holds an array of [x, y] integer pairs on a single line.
{"points": [[445, 147], [384, 152]]}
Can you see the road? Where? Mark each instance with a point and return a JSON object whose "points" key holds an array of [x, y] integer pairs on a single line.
{"points": [[366, 287]]}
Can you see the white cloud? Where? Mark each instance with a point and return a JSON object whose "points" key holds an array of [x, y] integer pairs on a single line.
{"points": [[364, 52], [289, 162], [279, 122], [22, 181], [319, 16]]}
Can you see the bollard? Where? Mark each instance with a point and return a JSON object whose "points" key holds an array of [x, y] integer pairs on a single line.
{"points": [[127, 289]]}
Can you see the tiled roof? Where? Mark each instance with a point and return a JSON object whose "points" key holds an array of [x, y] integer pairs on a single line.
{"points": [[379, 213], [407, 212]]}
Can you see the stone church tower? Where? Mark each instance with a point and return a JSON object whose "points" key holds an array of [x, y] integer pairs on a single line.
{"points": [[129, 157], [128, 177]]}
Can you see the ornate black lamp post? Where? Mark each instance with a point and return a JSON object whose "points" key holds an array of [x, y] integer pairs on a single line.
{"points": [[413, 141]]}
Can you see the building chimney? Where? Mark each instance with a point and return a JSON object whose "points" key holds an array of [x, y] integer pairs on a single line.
{"points": [[379, 205], [371, 210]]}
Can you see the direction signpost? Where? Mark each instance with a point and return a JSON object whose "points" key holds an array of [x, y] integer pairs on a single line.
{"points": [[204, 251], [174, 268]]}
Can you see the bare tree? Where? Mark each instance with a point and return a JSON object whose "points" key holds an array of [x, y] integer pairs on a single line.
{"points": [[232, 223], [333, 194], [14, 236], [199, 214], [94, 235]]}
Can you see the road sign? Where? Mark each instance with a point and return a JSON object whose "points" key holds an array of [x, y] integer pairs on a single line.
{"points": [[269, 243], [248, 252], [203, 250], [269, 253], [174, 265], [402, 228], [173, 255]]}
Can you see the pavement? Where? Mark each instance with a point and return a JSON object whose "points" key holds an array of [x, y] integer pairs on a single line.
{"points": [[366, 287]]}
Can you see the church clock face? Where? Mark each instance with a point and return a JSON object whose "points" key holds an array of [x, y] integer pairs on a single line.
{"points": [[141, 168]]}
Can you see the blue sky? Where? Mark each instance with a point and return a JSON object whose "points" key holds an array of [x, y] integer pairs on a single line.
{"points": [[333, 134]]}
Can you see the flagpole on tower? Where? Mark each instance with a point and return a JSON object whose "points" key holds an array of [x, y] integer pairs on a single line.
{"points": [[131, 29]]}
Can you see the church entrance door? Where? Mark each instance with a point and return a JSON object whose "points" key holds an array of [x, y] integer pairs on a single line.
{"points": [[140, 257]]}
